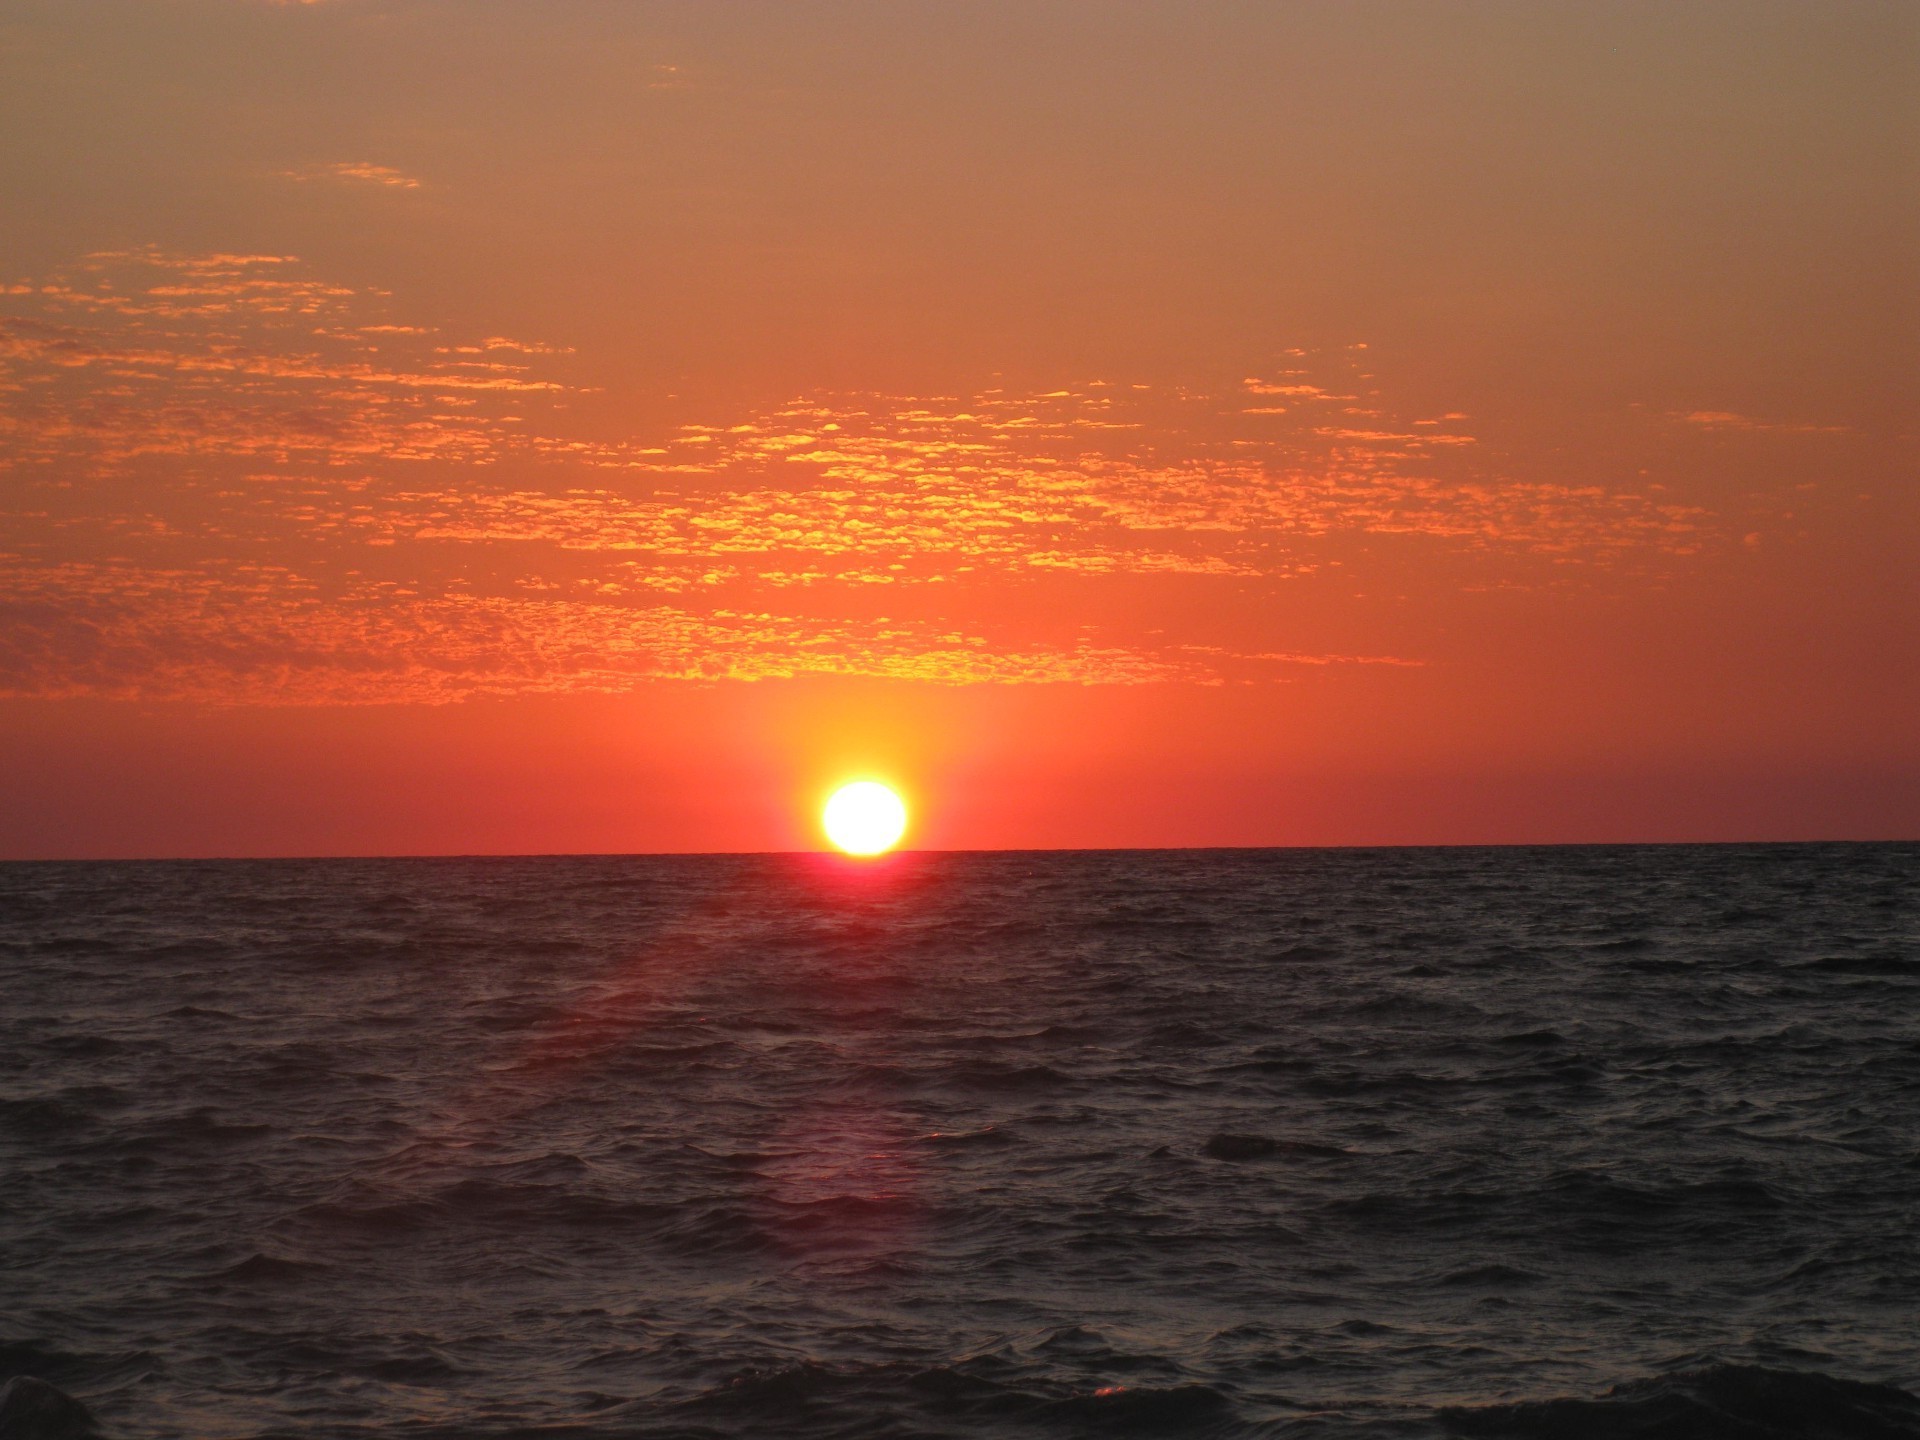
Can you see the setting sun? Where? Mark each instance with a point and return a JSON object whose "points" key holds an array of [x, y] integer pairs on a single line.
{"points": [[864, 818]]}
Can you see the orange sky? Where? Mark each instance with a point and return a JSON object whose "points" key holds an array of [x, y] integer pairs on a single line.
{"points": [[602, 426]]}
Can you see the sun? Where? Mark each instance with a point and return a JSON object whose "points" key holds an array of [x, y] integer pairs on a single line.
{"points": [[864, 818]]}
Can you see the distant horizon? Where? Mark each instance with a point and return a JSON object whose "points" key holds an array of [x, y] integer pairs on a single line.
{"points": [[908, 851]]}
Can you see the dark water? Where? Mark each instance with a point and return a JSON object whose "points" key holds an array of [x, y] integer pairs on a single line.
{"points": [[1023, 1145]]}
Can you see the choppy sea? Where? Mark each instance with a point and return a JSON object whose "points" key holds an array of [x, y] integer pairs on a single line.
{"points": [[1569, 1142]]}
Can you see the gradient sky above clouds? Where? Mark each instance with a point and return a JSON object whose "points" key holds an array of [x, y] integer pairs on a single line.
{"points": [[601, 426]]}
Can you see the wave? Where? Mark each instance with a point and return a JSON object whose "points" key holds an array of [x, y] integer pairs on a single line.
{"points": [[49, 1363], [1229, 1146], [271, 1271], [1194, 1410], [1491, 1277], [625, 1147], [42, 1361], [1717, 1402], [32, 1409], [811, 1399], [1889, 963]]}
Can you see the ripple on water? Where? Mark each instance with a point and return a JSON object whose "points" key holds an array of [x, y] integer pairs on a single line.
{"points": [[1586, 1142]]}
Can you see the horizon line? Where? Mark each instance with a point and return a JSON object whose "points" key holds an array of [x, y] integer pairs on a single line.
{"points": [[871, 860]]}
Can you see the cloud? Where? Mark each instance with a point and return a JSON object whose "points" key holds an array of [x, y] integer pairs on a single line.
{"points": [[251, 635], [1728, 420], [355, 172], [230, 479], [148, 354], [1304, 392]]}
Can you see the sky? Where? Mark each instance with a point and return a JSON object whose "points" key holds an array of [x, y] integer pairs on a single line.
{"points": [[459, 426]]}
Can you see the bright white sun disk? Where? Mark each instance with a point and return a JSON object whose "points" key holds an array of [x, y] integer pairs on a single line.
{"points": [[865, 818]]}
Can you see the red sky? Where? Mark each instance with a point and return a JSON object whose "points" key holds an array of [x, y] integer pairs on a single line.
{"points": [[582, 426]]}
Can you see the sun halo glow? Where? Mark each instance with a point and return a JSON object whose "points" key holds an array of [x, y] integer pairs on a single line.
{"points": [[864, 818]]}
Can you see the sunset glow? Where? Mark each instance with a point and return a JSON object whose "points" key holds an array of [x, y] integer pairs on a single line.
{"points": [[1143, 424], [864, 818]]}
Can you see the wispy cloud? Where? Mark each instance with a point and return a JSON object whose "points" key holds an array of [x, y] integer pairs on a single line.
{"points": [[146, 354], [233, 479], [360, 172], [1729, 420], [261, 635]]}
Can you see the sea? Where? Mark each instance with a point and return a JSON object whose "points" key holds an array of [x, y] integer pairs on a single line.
{"points": [[1559, 1142]]}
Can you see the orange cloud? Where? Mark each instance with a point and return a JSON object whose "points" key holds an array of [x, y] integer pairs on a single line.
{"points": [[1728, 420], [359, 171], [143, 353], [440, 527], [258, 635]]}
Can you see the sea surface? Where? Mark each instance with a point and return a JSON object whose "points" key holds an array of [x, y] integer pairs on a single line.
{"points": [[1569, 1142]]}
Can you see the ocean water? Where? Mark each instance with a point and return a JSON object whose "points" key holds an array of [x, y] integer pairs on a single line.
{"points": [[1558, 1142]]}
